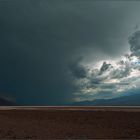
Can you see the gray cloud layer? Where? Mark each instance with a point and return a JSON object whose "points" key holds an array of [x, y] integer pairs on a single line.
{"points": [[40, 40]]}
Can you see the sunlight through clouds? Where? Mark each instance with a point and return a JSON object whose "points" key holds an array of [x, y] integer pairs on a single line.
{"points": [[110, 77]]}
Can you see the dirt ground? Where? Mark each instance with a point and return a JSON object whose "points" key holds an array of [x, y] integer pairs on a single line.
{"points": [[70, 123]]}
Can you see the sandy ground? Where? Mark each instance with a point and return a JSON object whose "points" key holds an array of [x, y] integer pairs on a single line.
{"points": [[69, 123]]}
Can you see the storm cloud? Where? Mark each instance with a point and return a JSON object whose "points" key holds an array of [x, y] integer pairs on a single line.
{"points": [[41, 43], [134, 41]]}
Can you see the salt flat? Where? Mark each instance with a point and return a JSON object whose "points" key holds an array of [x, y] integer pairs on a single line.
{"points": [[69, 122], [76, 108]]}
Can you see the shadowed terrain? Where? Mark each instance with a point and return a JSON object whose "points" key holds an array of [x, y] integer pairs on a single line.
{"points": [[69, 122]]}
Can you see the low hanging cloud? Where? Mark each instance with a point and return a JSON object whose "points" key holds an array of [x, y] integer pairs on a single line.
{"points": [[112, 78], [134, 41], [77, 69]]}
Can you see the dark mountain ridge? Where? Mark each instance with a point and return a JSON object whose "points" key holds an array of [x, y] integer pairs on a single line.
{"points": [[129, 100]]}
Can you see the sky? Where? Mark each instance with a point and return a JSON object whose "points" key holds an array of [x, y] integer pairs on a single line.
{"points": [[58, 52]]}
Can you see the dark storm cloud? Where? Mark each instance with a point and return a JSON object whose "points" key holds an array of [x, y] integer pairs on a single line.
{"points": [[40, 39], [33, 57], [77, 70], [134, 41], [104, 67]]}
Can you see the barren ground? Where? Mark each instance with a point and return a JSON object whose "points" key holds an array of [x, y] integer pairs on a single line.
{"points": [[69, 123]]}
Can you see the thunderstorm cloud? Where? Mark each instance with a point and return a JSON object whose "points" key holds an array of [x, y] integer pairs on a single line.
{"points": [[56, 52]]}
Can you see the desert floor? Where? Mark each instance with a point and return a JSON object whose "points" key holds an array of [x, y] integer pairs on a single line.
{"points": [[69, 122]]}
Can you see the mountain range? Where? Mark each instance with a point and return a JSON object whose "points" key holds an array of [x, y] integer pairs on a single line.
{"points": [[129, 100], [4, 102]]}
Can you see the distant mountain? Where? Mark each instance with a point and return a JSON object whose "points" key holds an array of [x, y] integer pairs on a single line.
{"points": [[4, 102], [129, 100]]}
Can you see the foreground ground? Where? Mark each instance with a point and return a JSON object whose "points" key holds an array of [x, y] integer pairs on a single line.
{"points": [[69, 123]]}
